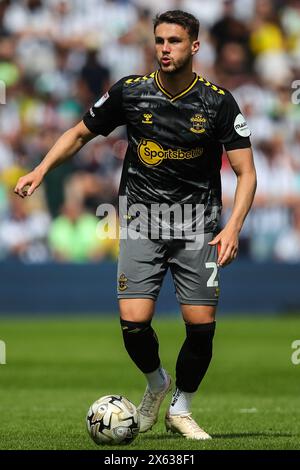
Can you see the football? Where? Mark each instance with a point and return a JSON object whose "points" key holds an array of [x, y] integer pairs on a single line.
{"points": [[113, 419]]}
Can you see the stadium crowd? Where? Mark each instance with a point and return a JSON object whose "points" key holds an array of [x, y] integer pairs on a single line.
{"points": [[57, 57]]}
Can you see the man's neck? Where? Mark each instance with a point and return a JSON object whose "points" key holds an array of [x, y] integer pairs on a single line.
{"points": [[176, 83]]}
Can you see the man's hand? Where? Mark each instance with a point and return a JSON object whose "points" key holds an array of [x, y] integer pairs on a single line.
{"points": [[32, 179], [228, 241]]}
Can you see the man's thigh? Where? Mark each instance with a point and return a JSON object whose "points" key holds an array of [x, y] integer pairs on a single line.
{"points": [[141, 268], [195, 272]]}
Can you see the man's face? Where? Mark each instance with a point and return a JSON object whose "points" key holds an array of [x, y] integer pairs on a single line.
{"points": [[174, 47]]}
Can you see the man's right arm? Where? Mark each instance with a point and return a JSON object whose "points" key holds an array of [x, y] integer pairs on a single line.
{"points": [[65, 147]]}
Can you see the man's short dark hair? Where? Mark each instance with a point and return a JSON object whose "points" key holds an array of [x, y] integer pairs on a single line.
{"points": [[184, 19]]}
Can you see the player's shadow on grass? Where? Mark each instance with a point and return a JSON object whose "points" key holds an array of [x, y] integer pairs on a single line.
{"points": [[172, 437], [252, 434], [164, 436]]}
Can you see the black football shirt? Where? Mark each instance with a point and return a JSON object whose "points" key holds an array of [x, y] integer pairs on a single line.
{"points": [[175, 143]]}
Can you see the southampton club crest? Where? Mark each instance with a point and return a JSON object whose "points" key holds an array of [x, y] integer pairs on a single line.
{"points": [[197, 121], [122, 282]]}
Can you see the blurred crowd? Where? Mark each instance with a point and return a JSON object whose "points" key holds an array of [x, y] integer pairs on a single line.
{"points": [[57, 57]]}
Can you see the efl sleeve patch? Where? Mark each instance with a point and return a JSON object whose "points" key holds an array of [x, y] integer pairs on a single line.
{"points": [[241, 126], [231, 126]]}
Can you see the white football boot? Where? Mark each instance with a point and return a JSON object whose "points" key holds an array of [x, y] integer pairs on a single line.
{"points": [[186, 426], [148, 409]]}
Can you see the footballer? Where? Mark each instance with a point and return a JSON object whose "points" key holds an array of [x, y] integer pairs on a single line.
{"points": [[177, 124]]}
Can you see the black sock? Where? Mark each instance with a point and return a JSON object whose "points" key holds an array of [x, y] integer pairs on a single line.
{"points": [[195, 356], [141, 344]]}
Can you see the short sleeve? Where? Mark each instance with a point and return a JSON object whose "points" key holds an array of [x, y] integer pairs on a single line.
{"points": [[231, 127], [107, 113]]}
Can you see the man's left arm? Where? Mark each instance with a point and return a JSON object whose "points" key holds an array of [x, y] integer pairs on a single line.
{"points": [[241, 161]]}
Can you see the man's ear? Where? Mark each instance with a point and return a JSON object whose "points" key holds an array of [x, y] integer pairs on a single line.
{"points": [[195, 47]]}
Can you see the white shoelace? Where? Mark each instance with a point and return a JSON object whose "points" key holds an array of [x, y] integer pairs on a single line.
{"points": [[149, 402]]}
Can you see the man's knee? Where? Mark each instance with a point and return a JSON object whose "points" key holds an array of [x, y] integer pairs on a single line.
{"points": [[197, 314], [136, 310]]}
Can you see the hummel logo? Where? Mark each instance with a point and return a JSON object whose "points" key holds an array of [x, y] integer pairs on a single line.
{"points": [[147, 118]]}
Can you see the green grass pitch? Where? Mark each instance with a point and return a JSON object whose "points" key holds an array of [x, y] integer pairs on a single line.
{"points": [[56, 368]]}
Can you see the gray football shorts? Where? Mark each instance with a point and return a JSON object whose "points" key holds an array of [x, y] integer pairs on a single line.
{"points": [[143, 264]]}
